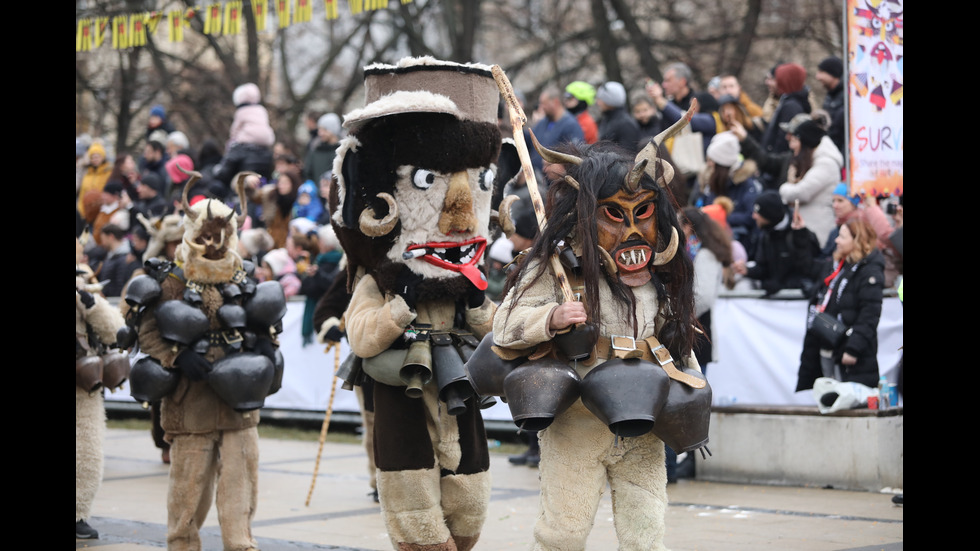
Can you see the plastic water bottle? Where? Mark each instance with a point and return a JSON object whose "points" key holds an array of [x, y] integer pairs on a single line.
{"points": [[884, 393]]}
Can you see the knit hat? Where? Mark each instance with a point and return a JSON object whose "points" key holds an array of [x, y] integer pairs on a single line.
{"points": [[842, 190], [176, 175], [726, 99], [717, 213], [833, 66], [612, 94], [809, 133], [582, 91], [331, 123], [770, 206], [113, 187], [96, 148], [279, 262], [303, 226], [179, 139], [723, 149], [158, 111], [246, 94], [526, 224], [153, 181], [790, 77]]}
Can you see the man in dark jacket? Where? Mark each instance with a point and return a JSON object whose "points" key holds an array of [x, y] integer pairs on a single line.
{"points": [[830, 73], [783, 255], [616, 124]]}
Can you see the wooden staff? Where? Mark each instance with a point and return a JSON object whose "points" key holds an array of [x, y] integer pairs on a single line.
{"points": [[518, 120], [326, 421]]}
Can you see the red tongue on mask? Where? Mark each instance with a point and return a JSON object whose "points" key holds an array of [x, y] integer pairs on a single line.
{"points": [[472, 273]]}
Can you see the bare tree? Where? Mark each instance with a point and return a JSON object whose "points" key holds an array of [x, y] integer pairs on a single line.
{"points": [[318, 65]]}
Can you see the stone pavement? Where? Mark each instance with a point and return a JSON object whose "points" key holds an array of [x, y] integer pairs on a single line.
{"points": [[130, 508]]}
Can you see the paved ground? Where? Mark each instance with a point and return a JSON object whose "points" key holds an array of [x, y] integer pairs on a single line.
{"points": [[130, 508]]}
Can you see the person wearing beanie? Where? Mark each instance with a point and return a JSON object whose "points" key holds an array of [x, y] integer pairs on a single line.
{"points": [[96, 174], [277, 265], [157, 121], [250, 138], [790, 86], [251, 122], [732, 111], [727, 175], [150, 201], [830, 74], [847, 206], [784, 252], [813, 171], [579, 95], [323, 150], [555, 126], [615, 123]]}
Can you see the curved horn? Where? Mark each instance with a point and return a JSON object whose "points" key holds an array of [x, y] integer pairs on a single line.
{"points": [[375, 227], [573, 182], [607, 262], [242, 199], [503, 215], [553, 156], [184, 204], [633, 178], [667, 254], [677, 126]]}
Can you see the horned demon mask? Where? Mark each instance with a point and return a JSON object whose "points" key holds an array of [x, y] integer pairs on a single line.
{"points": [[629, 204]]}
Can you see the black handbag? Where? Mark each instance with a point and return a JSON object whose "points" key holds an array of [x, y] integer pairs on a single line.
{"points": [[828, 329]]}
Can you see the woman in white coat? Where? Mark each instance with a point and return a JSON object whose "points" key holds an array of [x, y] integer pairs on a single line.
{"points": [[813, 173]]}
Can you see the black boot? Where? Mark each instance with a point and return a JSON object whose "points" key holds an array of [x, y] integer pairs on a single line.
{"points": [[85, 532]]}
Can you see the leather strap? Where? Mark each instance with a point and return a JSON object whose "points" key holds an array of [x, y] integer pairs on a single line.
{"points": [[648, 349]]}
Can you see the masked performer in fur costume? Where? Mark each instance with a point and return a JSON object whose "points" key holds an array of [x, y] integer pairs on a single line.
{"points": [[616, 230], [96, 324], [208, 332], [412, 209]]}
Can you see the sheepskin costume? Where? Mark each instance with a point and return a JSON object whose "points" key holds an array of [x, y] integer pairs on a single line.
{"points": [[620, 224], [214, 445], [95, 331], [412, 209]]}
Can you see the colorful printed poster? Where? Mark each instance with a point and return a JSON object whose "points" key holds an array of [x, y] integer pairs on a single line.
{"points": [[876, 140]]}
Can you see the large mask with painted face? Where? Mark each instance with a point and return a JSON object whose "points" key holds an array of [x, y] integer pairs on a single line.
{"points": [[627, 198], [415, 176]]}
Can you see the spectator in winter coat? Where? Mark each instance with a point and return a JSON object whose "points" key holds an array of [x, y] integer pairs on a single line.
{"points": [[784, 254], [278, 266], [250, 141], [851, 290], [790, 85], [616, 124], [96, 174], [555, 127], [321, 153], [579, 96], [728, 174]]}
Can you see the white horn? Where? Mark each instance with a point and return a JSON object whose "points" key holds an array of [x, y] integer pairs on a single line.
{"points": [[667, 254], [374, 227]]}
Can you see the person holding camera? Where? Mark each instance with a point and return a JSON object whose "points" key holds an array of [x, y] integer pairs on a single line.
{"points": [[851, 290]]}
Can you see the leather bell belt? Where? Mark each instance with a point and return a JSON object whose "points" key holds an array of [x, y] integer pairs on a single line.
{"points": [[648, 349]]}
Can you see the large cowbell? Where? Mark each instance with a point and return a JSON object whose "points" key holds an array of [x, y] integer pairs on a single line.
{"points": [[627, 395], [454, 387], [487, 371], [539, 390], [684, 419]]}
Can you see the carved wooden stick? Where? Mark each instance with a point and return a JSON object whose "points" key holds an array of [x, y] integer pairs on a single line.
{"points": [[518, 120], [326, 421]]}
